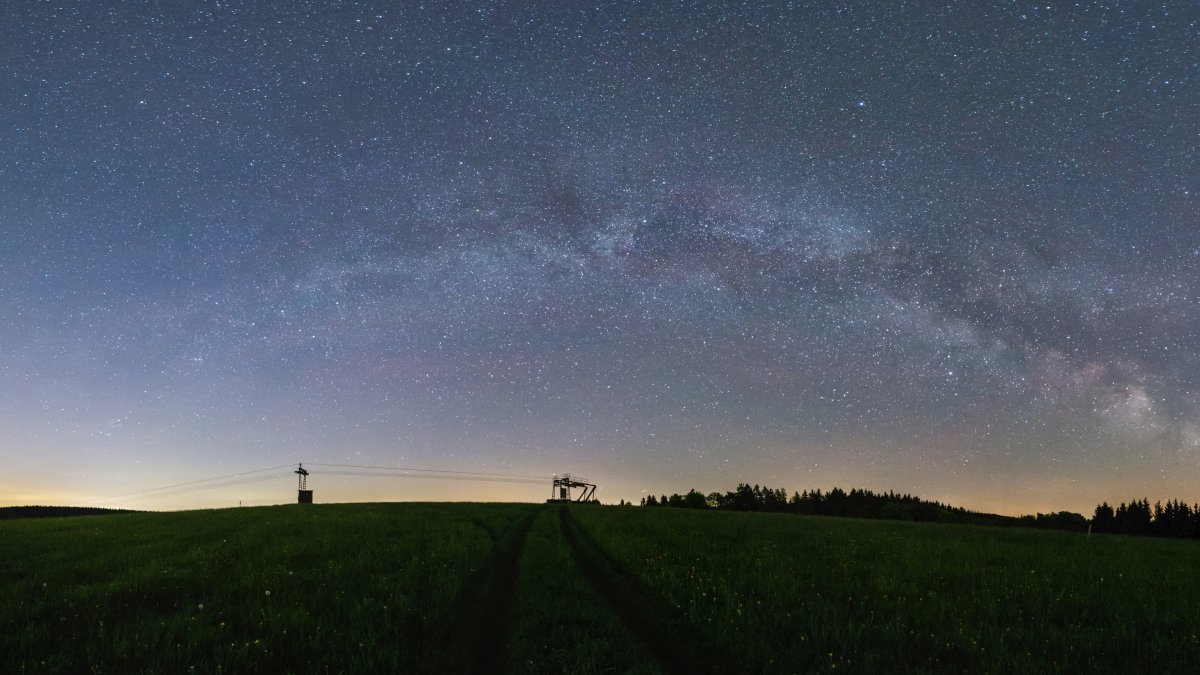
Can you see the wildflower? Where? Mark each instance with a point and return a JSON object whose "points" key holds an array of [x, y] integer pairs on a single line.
{"points": [[268, 593], [200, 606]]}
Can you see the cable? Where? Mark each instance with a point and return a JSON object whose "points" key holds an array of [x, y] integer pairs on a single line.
{"points": [[464, 473], [427, 473], [272, 477], [193, 482], [523, 481]]}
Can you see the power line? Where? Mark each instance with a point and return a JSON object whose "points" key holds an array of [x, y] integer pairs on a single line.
{"points": [[462, 473], [429, 476], [192, 482], [426, 473]]}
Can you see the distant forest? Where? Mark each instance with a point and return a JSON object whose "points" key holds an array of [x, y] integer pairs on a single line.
{"points": [[858, 504], [1172, 519], [13, 512]]}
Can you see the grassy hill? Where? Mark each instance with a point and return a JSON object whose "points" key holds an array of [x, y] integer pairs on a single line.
{"points": [[547, 588]]}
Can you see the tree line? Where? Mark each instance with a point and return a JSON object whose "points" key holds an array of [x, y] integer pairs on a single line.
{"points": [[1173, 519], [14, 512], [856, 503]]}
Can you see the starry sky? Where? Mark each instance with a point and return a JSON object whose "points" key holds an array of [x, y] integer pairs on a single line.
{"points": [[946, 248]]}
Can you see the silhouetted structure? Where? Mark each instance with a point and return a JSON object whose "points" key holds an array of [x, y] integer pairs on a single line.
{"points": [[560, 490], [305, 495]]}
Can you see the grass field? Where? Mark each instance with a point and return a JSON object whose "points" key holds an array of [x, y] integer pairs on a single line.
{"points": [[547, 589]]}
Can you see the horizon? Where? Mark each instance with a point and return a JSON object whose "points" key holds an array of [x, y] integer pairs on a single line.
{"points": [[952, 251], [346, 487]]}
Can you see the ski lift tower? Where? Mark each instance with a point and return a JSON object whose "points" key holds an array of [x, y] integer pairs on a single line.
{"points": [[305, 495], [560, 490]]}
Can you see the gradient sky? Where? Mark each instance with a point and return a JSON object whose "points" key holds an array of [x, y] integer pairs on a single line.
{"points": [[948, 248]]}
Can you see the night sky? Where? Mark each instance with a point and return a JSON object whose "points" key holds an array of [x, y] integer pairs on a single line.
{"points": [[947, 248]]}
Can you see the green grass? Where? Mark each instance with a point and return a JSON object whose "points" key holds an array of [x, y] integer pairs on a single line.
{"points": [[563, 624], [535, 589], [800, 594], [324, 589]]}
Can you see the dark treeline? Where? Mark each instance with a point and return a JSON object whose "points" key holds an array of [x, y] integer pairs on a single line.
{"points": [[856, 504], [12, 512], [1173, 519]]}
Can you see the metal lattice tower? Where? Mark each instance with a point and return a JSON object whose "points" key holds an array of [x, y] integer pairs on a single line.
{"points": [[304, 495]]}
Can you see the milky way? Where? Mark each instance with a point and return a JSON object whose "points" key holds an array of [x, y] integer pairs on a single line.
{"points": [[949, 250]]}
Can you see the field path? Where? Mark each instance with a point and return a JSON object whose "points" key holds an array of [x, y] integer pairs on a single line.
{"points": [[661, 631], [483, 615]]}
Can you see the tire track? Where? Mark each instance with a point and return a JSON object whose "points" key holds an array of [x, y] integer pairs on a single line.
{"points": [[676, 645], [476, 639]]}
